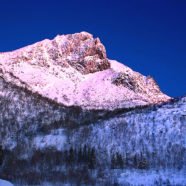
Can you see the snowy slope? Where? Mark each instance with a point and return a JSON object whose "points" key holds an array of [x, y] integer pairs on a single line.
{"points": [[156, 134]]}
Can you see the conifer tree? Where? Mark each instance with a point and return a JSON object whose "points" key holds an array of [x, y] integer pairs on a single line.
{"points": [[113, 161], [84, 157], [80, 155], [1, 155], [92, 159], [71, 155]]}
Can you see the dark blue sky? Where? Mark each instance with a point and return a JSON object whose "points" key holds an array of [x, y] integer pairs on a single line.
{"points": [[147, 35]]}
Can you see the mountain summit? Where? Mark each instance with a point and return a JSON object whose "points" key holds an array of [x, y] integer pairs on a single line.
{"points": [[74, 70]]}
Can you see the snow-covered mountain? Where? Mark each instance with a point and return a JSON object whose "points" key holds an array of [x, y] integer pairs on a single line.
{"points": [[74, 70], [66, 109]]}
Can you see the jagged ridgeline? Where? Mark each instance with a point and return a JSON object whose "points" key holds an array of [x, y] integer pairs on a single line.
{"points": [[69, 114]]}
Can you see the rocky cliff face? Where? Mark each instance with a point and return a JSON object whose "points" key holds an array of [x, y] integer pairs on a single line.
{"points": [[65, 108]]}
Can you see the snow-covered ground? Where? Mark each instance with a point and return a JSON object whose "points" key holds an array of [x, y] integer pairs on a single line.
{"points": [[153, 177], [56, 138], [5, 183]]}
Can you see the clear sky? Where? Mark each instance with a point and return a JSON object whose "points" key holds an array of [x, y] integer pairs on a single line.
{"points": [[147, 35]]}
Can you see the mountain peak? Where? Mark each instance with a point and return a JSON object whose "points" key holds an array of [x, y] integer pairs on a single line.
{"points": [[80, 51], [74, 69], [83, 52]]}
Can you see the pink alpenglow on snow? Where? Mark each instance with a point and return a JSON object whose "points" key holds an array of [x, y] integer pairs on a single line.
{"points": [[74, 70]]}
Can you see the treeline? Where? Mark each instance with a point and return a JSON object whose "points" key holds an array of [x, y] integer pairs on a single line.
{"points": [[137, 161], [85, 156], [76, 164]]}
